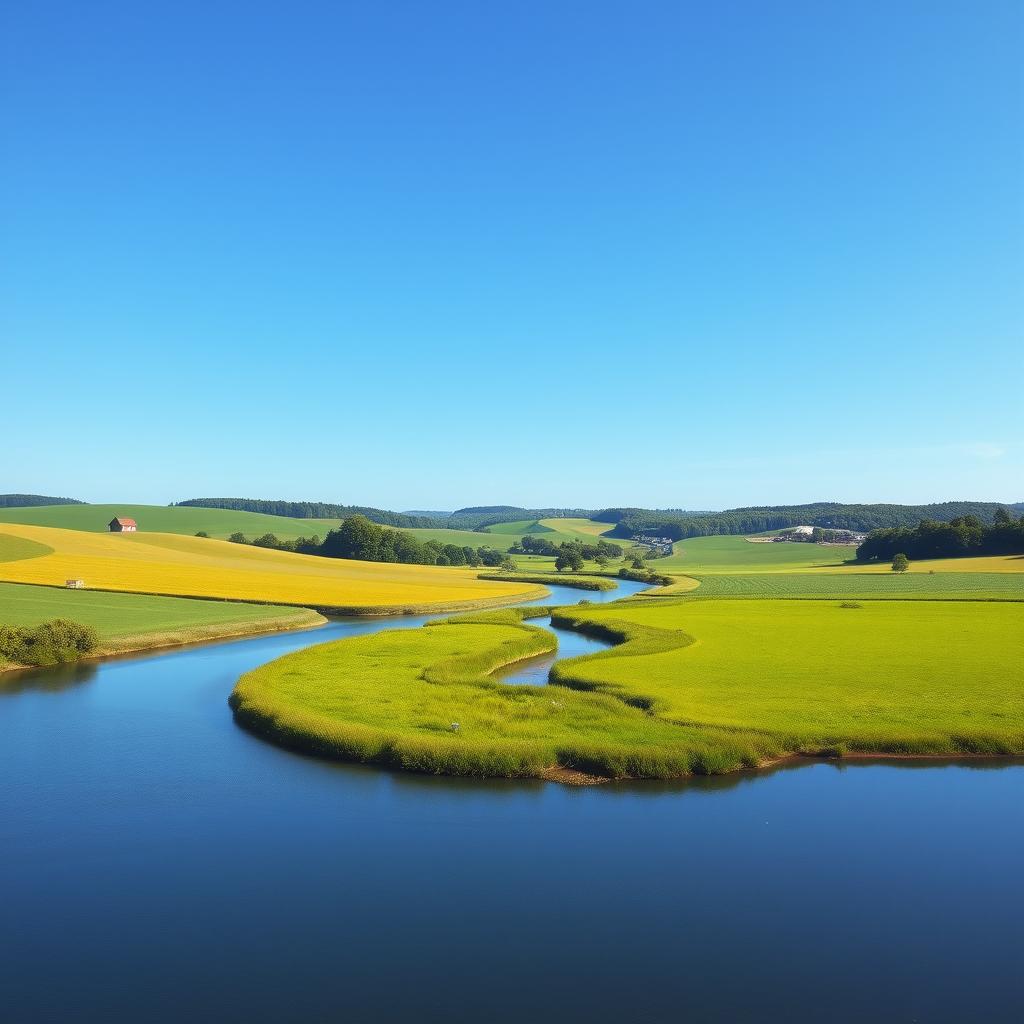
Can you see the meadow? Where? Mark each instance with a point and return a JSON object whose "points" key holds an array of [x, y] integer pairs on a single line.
{"points": [[182, 519], [691, 687], [737, 554], [423, 700], [129, 622], [154, 563], [886, 676], [979, 586]]}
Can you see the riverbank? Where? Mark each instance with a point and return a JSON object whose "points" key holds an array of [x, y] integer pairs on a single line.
{"points": [[126, 623]]}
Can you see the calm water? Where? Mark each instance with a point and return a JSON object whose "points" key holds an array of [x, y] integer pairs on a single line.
{"points": [[160, 864]]}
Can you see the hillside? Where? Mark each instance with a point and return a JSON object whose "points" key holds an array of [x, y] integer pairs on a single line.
{"points": [[758, 519], [164, 563], [311, 510], [168, 519]]}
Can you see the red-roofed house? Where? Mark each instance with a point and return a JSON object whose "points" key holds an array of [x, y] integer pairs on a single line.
{"points": [[120, 525]]}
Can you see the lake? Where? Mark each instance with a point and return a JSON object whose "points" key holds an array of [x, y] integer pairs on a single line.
{"points": [[161, 864]]}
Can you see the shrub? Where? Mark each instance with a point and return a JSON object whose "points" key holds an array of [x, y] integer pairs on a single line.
{"points": [[50, 643]]}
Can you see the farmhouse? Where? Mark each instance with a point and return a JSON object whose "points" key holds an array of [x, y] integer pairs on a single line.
{"points": [[75, 584], [121, 525]]}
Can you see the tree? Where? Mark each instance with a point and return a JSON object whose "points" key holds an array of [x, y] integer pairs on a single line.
{"points": [[900, 563], [202, 533], [238, 538], [601, 560], [507, 565], [569, 558], [268, 540], [638, 562]]}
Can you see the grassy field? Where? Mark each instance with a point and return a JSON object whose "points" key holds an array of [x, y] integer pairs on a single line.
{"points": [[154, 563], [693, 687], [889, 676], [129, 622], [940, 586], [736, 554], [187, 520], [392, 698], [13, 549]]}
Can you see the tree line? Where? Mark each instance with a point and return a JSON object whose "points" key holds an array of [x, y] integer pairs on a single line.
{"points": [[359, 538], [311, 510], [962, 536], [827, 515], [34, 500]]}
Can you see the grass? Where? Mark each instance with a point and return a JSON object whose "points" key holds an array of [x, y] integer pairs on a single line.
{"points": [[692, 687], [392, 698], [153, 563], [128, 622], [737, 554], [981, 586], [14, 549], [187, 520], [892, 676]]}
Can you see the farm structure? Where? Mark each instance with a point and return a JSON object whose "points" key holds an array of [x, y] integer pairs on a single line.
{"points": [[122, 525]]}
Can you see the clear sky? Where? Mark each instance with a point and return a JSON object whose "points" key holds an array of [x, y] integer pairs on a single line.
{"points": [[432, 254]]}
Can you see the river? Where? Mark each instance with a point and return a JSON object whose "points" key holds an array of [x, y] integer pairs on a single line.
{"points": [[162, 864]]}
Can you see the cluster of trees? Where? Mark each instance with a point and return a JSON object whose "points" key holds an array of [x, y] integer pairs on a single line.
{"points": [[359, 538], [964, 535], [538, 544], [34, 500], [311, 510], [568, 554], [826, 514], [51, 643]]}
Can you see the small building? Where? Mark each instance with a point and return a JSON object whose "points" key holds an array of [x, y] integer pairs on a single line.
{"points": [[121, 525], [75, 584]]}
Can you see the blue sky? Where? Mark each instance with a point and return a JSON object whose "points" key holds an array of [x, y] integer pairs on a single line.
{"points": [[423, 255]]}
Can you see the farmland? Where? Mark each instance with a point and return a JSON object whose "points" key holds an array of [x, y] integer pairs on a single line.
{"points": [[938, 586], [153, 563], [737, 554], [129, 622]]}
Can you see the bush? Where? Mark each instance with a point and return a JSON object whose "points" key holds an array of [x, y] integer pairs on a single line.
{"points": [[51, 643]]}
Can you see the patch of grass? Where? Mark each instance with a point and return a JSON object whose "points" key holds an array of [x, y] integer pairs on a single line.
{"points": [[13, 549], [183, 519], [149, 563], [899, 677], [392, 698], [700, 555], [129, 622], [691, 687], [889, 585]]}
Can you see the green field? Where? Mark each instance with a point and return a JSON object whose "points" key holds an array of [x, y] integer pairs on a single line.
{"points": [[991, 586], [892, 676], [692, 687], [183, 519], [133, 621], [392, 698], [736, 554]]}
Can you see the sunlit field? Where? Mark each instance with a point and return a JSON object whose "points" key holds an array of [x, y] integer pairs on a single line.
{"points": [[193, 566]]}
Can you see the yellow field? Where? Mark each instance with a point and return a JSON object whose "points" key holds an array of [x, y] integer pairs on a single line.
{"points": [[164, 563]]}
